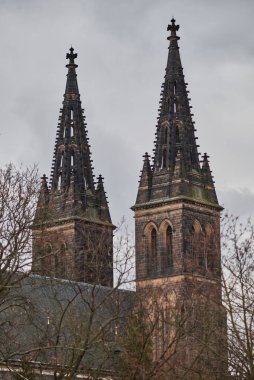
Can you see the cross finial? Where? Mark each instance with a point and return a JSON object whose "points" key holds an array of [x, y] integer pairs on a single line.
{"points": [[71, 56], [44, 178], [173, 28]]}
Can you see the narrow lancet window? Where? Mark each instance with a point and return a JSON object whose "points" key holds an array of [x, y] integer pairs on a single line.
{"points": [[61, 161], [177, 135], [175, 105], [154, 243], [174, 88], [201, 254], [59, 182], [209, 249], [165, 135], [164, 159], [169, 250], [71, 125]]}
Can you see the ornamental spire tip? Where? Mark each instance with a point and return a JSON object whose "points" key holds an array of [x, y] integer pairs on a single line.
{"points": [[173, 28], [71, 56]]}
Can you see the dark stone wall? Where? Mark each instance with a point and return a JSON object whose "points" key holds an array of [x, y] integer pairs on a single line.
{"points": [[187, 254], [75, 250], [190, 288]]}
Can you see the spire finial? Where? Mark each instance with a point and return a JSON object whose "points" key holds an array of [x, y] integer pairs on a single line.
{"points": [[44, 179], [173, 28], [71, 56]]}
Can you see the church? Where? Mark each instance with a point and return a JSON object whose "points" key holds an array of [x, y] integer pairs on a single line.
{"points": [[76, 323]]}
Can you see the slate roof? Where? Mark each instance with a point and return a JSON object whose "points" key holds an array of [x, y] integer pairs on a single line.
{"points": [[60, 322]]}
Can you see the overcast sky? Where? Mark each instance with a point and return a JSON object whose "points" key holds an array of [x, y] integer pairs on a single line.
{"points": [[122, 53]]}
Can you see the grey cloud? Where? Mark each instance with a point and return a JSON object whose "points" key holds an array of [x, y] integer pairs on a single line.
{"points": [[122, 52], [239, 202]]}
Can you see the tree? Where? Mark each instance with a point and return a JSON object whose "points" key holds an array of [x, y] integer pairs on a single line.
{"points": [[68, 326], [18, 197], [238, 293]]}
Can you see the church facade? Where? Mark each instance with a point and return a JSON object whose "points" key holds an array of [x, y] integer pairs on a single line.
{"points": [[177, 243]]}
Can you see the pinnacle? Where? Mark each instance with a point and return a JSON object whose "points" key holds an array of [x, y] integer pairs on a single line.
{"points": [[44, 178], [71, 83], [71, 56], [100, 181], [44, 183], [173, 28]]}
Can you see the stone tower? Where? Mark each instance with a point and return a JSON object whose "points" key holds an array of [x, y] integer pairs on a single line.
{"points": [[72, 230], [177, 228]]}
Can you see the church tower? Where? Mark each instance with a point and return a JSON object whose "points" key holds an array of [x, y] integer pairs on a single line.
{"points": [[177, 228], [72, 230]]}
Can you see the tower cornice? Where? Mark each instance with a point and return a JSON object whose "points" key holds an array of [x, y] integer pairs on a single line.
{"points": [[176, 200]]}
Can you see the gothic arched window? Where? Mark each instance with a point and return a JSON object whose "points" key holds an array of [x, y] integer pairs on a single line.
{"points": [[72, 158], [196, 249], [174, 88], [154, 243], [177, 134], [46, 259], [175, 98], [71, 125], [201, 251], [209, 248], [60, 261], [165, 138], [61, 160], [164, 159], [169, 250], [59, 182]]}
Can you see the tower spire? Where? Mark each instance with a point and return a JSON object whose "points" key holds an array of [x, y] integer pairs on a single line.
{"points": [[175, 141], [72, 164], [177, 226], [73, 213]]}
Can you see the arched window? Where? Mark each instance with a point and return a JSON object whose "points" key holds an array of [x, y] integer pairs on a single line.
{"points": [[59, 182], [165, 138], [61, 160], [46, 259], [177, 134], [72, 159], [197, 246], [201, 251], [175, 105], [168, 105], [60, 261], [169, 251], [71, 130], [154, 243], [164, 159], [209, 248], [71, 125], [193, 242], [174, 88]]}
